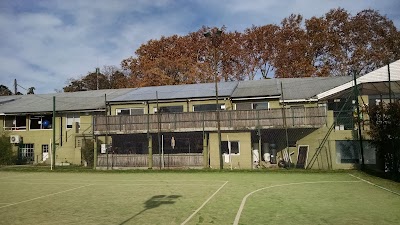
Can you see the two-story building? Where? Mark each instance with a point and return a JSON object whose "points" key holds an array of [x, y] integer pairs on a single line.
{"points": [[305, 122]]}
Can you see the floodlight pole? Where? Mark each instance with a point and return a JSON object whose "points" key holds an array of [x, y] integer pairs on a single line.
{"points": [[214, 35], [54, 133], [358, 120]]}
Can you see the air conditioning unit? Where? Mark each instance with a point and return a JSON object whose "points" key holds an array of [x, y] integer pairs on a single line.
{"points": [[15, 139]]}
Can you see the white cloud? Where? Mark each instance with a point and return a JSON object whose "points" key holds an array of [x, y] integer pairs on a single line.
{"points": [[44, 43]]}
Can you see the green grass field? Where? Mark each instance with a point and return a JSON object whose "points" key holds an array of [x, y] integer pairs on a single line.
{"points": [[197, 198]]}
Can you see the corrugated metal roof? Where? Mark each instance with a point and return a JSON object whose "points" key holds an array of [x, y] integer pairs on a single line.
{"points": [[309, 87], [175, 92], [69, 101], [257, 88], [367, 81], [293, 88]]}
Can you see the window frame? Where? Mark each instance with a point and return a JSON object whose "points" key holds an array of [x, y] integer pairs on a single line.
{"points": [[49, 119], [14, 122], [76, 118], [118, 110], [221, 105], [225, 149]]}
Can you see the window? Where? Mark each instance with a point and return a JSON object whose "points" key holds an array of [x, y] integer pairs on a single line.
{"points": [[15, 123], [73, 118], [251, 105], [27, 152], [342, 112], [260, 105], [130, 111], [347, 151], [45, 152], [41, 122], [234, 145], [207, 107], [171, 109]]}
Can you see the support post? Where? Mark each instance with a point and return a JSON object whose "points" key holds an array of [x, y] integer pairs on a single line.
{"points": [[53, 125], [96, 142], [205, 151], [150, 143], [358, 120]]}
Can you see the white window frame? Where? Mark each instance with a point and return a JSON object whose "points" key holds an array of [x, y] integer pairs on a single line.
{"points": [[117, 111], [253, 103], [71, 119]]}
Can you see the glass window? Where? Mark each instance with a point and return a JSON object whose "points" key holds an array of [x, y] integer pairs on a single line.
{"points": [[347, 151], [260, 105], [207, 107], [171, 109], [15, 123], [233, 145], [41, 122], [130, 111], [73, 118], [243, 106], [27, 152]]}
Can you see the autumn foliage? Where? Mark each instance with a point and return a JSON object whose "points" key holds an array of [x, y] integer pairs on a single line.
{"points": [[336, 44]]}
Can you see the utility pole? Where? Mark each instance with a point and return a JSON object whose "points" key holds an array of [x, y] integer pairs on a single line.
{"points": [[15, 87], [97, 77]]}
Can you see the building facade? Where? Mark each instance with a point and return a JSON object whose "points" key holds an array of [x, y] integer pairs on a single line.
{"points": [[297, 122]]}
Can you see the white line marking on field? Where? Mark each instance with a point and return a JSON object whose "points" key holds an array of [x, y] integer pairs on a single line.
{"points": [[60, 192], [197, 210], [279, 185], [14, 176], [109, 184], [368, 182]]}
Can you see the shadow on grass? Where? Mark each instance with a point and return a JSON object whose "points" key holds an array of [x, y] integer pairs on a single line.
{"points": [[155, 202]]}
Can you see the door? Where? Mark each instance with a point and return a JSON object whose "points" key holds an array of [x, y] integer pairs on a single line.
{"points": [[302, 156], [45, 152]]}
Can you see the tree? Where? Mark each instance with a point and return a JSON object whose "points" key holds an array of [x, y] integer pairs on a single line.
{"points": [[110, 77], [31, 91], [385, 135], [293, 58], [335, 44], [4, 90], [7, 156], [259, 46]]}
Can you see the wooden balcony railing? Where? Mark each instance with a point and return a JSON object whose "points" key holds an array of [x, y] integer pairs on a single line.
{"points": [[207, 121]]}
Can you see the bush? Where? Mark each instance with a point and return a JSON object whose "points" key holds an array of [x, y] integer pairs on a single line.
{"points": [[87, 152], [385, 134], [7, 156]]}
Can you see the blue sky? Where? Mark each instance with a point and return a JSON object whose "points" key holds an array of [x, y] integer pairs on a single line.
{"points": [[44, 43]]}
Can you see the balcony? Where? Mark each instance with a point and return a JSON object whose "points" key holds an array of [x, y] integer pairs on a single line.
{"points": [[307, 117]]}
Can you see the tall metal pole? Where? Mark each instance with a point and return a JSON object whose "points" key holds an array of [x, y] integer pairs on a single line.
{"points": [[53, 125], [15, 87], [390, 87], [97, 77], [221, 165], [159, 130], [106, 137], [285, 125], [358, 120], [214, 36]]}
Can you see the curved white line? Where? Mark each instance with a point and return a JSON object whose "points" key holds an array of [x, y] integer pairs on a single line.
{"points": [[197, 210], [236, 222]]}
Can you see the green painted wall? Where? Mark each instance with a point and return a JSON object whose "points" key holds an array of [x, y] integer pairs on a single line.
{"points": [[240, 161]]}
